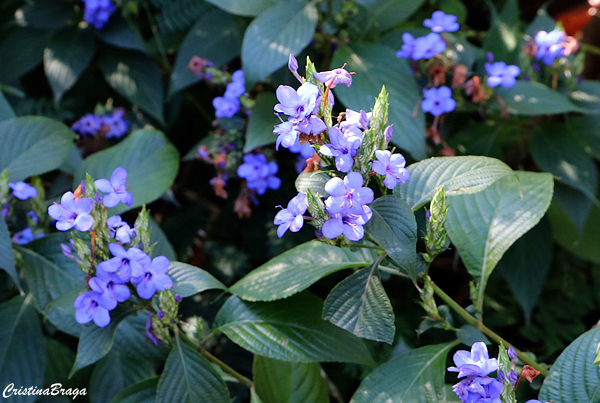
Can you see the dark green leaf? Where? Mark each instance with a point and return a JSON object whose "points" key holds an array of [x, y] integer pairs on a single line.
{"points": [[7, 259], [393, 225], [274, 34], [377, 65], [59, 360], [574, 203], [587, 95], [118, 33], [33, 146], [291, 329], [503, 37], [385, 14], [136, 77], [468, 335], [22, 351], [584, 244], [529, 98], [61, 311], [296, 270], [315, 181], [66, 57], [414, 377], [458, 175], [541, 22], [163, 246], [573, 377], [294, 382], [151, 162], [585, 129], [247, 8], [190, 280], [21, 52], [131, 339], [360, 305], [217, 37], [189, 377], [6, 111], [47, 14], [261, 123], [142, 392]]}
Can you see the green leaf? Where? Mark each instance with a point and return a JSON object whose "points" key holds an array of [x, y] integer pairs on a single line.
{"points": [[261, 123], [415, 377], [274, 34], [541, 22], [360, 305], [296, 270], [7, 259], [458, 175], [115, 372], [61, 312], [131, 339], [66, 57], [189, 377], [142, 392], [574, 203], [468, 335], [59, 360], [163, 246], [525, 265], [148, 156], [217, 37], [291, 329], [377, 65], [33, 146], [22, 351], [503, 39], [6, 111], [136, 77], [315, 181], [393, 225], [21, 52], [484, 225], [190, 280], [385, 14], [573, 378], [118, 33], [584, 244], [246, 8], [278, 381], [49, 14], [587, 95], [529, 98], [48, 272]]}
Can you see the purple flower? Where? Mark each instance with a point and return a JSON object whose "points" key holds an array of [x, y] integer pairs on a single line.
{"points": [[69, 250], [347, 196], [343, 147], [349, 225], [501, 74], [226, 107], [359, 119], [97, 12], [72, 213], [408, 46], [479, 390], [178, 298], [33, 216], [111, 287], [89, 308], [311, 125], [550, 46], [287, 133], [22, 190], [149, 329], [88, 124], [427, 46], [116, 124], [438, 101], [115, 189], [334, 77], [392, 167], [126, 263], [512, 354], [477, 362], [305, 150], [235, 89], [292, 63], [513, 377], [238, 77], [297, 104], [154, 278], [259, 173], [25, 236], [442, 22], [291, 218], [120, 228]]}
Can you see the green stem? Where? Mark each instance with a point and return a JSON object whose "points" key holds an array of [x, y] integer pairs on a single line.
{"points": [[478, 324]]}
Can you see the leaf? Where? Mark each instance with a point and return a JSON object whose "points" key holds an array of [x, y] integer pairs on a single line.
{"points": [[61, 312], [148, 156], [190, 280], [59, 360], [6, 111], [385, 14], [189, 377], [415, 377], [261, 123], [315, 181], [525, 265], [541, 22], [360, 305], [22, 351], [21, 52], [468, 335], [217, 37], [573, 378], [131, 339], [66, 57], [291, 329], [113, 373], [377, 65], [136, 77], [7, 259], [163, 246], [484, 225], [458, 175], [118, 33], [528, 98], [296, 270], [278, 381], [587, 96], [33, 146], [142, 392], [502, 39], [393, 225], [246, 8], [274, 34], [574, 203], [48, 14]]}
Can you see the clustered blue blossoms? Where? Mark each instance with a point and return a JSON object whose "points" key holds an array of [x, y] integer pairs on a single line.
{"points": [[474, 366], [97, 12], [111, 125], [259, 174], [431, 44], [23, 191], [229, 104], [502, 74], [550, 46]]}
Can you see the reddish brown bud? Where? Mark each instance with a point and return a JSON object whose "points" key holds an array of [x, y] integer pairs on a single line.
{"points": [[529, 373], [460, 75], [438, 74]]}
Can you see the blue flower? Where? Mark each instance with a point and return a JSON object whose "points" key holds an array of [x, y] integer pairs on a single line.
{"points": [[479, 390], [235, 89], [154, 278], [359, 119], [334, 77], [288, 135], [111, 287], [347, 196], [25, 236], [126, 263], [226, 107], [550, 46], [297, 104], [120, 228], [438, 101], [89, 307], [474, 363], [97, 12], [259, 173], [408, 46], [392, 167], [115, 124], [72, 213], [292, 63], [343, 147], [512, 353], [442, 22], [424, 47], [238, 77], [311, 125], [348, 224], [22, 190], [292, 217], [115, 189], [88, 124], [305, 150], [501, 74]]}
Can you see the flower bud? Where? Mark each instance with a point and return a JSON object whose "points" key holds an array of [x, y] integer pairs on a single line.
{"points": [[178, 298], [160, 314], [98, 198], [292, 63], [388, 133]]}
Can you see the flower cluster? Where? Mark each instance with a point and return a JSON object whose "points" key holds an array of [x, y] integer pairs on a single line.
{"points": [[474, 366], [111, 125], [550, 46], [259, 174], [229, 104], [501, 74], [431, 44], [97, 12], [9, 191]]}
